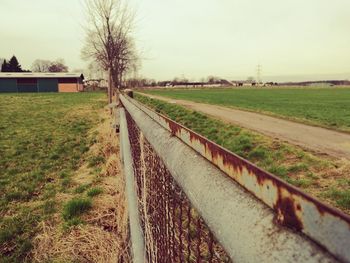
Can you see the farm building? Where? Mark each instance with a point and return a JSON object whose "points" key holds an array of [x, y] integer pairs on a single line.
{"points": [[41, 82]]}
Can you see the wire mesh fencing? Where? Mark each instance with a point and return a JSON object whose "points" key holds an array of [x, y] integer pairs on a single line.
{"points": [[173, 230]]}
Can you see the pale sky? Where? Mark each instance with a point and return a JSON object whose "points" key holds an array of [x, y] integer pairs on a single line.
{"points": [[195, 38]]}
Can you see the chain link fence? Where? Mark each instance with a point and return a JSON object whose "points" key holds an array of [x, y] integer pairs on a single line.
{"points": [[173, 230]]}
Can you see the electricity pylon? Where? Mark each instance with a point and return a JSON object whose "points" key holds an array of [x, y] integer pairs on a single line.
{"points": [[258, 74]]}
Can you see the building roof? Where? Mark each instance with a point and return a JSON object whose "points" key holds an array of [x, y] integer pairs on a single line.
{"points": [[11, 75]]}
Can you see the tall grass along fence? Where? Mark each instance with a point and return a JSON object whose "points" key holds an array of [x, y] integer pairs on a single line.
{"points": [[191, 200]]}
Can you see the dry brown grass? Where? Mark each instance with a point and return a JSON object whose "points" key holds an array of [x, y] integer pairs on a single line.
{"points": [[87, 243], [104, 235]]}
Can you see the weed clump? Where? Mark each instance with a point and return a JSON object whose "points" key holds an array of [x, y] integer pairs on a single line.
{"points": [[280, 171], [258, 153], [81, 188], [94, 192], [75, 207], [96, 161]]}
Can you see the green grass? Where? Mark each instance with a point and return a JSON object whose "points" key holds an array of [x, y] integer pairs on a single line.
{"points": [[342, 197], [246, 144], [288, 162], [96, 160], [81, 188], [328, 107], [75, 207], [94, 192], [43, 138]]}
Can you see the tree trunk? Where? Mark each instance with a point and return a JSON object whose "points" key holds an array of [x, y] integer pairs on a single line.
{"points": [[110, 86], [117, 92]]}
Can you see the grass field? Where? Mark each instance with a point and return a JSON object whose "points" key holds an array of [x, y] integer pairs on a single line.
{"points": [[57, 189], [44, 139], [322, 178], [327, 107]]}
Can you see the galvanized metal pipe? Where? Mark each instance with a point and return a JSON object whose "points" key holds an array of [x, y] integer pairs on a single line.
{"points": [[136, 234], [243, 225]]}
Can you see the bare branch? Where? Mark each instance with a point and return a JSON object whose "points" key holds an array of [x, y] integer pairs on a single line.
{"points": [[109, 37]]}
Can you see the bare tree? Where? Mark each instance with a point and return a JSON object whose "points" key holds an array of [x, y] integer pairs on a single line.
{"points": [[94, 71], [41, 65], [213, 79], [58, 66], [108, 39]]}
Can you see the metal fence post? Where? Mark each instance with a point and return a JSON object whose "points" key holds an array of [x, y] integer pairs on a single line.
{"points": [[137, 241]]}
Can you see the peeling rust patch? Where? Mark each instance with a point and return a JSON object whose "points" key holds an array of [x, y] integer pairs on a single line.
{"points": [[287, 212], [175, 129]]}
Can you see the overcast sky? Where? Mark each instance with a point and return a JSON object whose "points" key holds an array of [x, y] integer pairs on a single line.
{"points": [[195, 38]]}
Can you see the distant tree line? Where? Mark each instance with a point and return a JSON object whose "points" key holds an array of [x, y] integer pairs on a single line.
{"points": [[177, 81], [325, 82], [39, 65], [140, 82]]}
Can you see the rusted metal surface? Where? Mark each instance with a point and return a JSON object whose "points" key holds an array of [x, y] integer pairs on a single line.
{"points": [[173, 230], [293, 208]]}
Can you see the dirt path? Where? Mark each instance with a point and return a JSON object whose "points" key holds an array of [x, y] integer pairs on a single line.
{"points": [[316, 139]]}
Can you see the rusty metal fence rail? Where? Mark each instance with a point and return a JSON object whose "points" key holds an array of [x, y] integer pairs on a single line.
{"points": [[194, 205]]}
